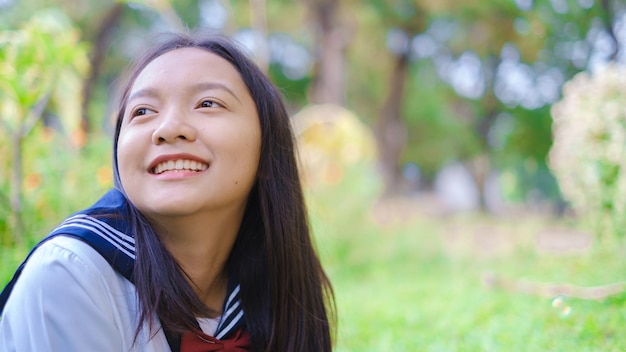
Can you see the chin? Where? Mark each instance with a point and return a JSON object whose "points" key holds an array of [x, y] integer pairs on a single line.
{"points": [[165, 205], [173, 209]]}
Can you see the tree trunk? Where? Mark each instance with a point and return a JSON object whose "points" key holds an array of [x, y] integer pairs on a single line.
{"points": [[391, 133], [101, 44], [606, 17], [328, 86], [480, 165], [16, 174]]}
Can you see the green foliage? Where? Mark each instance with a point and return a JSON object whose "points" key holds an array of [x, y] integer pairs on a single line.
{"points": [[62, 179], [430, 120], [43, 61], [540, 33], [531, 135], [41, 69], [294, 91], [58, 180], [42, 58], [527, 180]]}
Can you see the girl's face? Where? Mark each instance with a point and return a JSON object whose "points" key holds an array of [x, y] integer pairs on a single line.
{"points": [[190, 137]]}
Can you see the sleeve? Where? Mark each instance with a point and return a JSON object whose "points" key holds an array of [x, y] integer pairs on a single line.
{"points": [[60, 303]]}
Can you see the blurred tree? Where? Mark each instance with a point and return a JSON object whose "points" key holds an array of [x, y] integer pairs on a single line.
{"points": [[478, 46], [41, 67], [331, 35], [556, 40], [403, 19], [505, 62], [101, 41], [457, 81]]}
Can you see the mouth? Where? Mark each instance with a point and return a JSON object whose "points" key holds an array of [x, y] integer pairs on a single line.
{"points": [[180, 165]]}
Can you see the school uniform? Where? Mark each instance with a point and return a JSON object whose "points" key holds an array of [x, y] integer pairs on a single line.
{"points": [[69, 296]]}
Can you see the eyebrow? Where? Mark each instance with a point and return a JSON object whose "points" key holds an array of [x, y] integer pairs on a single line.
{"points": [[148, 92], [213, 85], [153, 93]]}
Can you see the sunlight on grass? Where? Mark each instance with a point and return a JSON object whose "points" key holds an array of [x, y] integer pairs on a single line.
{"points": [[418, 283]]}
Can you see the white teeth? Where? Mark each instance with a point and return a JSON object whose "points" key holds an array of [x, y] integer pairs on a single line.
{"points": [[179, 165]]}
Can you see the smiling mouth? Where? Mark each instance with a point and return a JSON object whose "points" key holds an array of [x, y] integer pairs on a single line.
{"points": [[180, 165]]}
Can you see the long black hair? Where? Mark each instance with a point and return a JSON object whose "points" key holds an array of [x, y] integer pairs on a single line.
{"points": [[286, 296]]}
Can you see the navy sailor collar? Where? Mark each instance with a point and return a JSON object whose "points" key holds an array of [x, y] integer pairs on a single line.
{"points": [[104, 227]]}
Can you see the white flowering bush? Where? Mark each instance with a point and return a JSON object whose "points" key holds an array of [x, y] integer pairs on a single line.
{"points": [[588, 155]]}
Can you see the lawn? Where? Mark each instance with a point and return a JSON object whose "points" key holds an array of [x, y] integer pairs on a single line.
{"points": [[405, 281]]}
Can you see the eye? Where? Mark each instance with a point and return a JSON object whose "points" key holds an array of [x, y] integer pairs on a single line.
{"points": [[142, 111], [209, 104]]}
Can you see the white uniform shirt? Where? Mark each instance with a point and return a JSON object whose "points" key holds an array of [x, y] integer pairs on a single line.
{"points": [[69, 299]]}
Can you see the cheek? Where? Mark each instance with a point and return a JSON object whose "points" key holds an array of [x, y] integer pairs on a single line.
{"points": [[241, 149], [251, 146]]}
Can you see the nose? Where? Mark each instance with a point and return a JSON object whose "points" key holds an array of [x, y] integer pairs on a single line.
{"points": [[173, 126]]}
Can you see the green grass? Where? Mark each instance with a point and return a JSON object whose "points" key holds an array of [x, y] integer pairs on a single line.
{"points": [[404, 286]]}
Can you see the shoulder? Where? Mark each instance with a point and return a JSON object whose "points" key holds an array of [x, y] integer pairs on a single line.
{"points": [[63, 265], [68, 247], [65, 254], [69, 293]]}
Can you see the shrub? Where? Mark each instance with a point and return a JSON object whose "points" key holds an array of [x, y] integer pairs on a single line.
{"points": [[589, 148]]}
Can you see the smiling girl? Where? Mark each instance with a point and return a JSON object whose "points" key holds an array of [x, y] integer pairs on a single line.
{"points": [[207, 219]]}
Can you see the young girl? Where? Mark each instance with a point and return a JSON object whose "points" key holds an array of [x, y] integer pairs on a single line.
{"points": [[211, 248]]}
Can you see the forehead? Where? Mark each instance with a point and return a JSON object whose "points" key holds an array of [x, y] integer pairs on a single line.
{"points": [[187, 65]]}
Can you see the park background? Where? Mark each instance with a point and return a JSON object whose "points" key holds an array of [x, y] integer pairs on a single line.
{"points": [[463, 160]]}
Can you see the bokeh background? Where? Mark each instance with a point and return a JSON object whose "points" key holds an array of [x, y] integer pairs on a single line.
{"points": [[463, 161]]}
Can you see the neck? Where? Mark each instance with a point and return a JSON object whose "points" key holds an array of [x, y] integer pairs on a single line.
{"points": [[201, 246]]}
